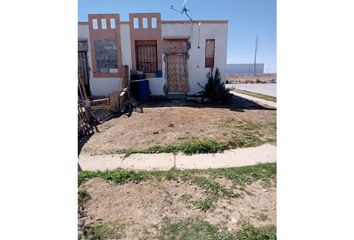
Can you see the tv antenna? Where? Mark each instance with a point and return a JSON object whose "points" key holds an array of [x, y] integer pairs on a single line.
{"points": [[184, 10]]}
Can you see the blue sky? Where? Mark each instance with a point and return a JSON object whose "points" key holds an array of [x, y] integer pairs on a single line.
{"points": [[246, 19]]}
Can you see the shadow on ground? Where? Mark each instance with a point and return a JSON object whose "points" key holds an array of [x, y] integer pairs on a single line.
{"points": [[81, 142], [237, 104]]}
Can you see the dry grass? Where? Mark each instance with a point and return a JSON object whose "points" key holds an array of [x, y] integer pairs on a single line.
{"points": [[141, 210], [167, 126]]}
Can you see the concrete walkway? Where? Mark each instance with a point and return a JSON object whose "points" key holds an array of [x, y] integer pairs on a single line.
{"points": [[256, 100], [269, 89], [165, 161]]}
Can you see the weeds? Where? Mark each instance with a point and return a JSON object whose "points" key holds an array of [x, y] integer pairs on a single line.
{"points": [[194, 146], [110, 230], [205, 204], [246, 175], [215, 188], [239, 176], [117, 177], [185, 197], [250, 232], [83, 196], [193, 229]]}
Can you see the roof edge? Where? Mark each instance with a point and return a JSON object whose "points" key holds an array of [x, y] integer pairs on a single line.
{"points": [[195, 21]]}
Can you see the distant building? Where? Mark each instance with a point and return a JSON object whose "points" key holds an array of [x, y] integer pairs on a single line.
{"points": [[244, 69]]}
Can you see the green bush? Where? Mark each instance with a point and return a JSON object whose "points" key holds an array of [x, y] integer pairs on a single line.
{"points": [[215, 89]]}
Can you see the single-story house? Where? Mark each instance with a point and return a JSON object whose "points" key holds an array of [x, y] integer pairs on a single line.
{"points": [[174, 55]]}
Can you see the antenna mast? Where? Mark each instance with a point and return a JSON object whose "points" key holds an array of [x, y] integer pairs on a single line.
{"points": [[255, 55], [184, 9]]}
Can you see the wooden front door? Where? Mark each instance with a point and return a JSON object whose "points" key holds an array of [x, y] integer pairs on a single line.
{"points": [[176, 65]]}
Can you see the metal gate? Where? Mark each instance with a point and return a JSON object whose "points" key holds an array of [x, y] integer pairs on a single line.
{"points": [[176, 53], [83, 68]]}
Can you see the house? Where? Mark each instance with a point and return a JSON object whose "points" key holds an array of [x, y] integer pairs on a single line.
{"points": [[174, 55]]}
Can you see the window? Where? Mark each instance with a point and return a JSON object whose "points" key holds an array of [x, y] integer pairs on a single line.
{"points": [[106, 56], [104, 23], [94, 24], [153, 23], [136, 23], [209, 53], [146, 56], [113, 23], [145, 23]]}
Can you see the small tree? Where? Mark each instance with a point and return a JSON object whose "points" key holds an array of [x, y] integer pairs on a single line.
{"points": [[215, 89]]}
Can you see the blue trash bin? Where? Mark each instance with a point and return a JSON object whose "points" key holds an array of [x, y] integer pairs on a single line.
{"points": [[158, 73], [142, 90]]}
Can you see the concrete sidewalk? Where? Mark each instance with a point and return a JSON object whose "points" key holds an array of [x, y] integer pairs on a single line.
{"points": [[256, 100], [165, 161]]}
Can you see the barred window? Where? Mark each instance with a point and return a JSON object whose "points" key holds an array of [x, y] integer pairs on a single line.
{"points": [[146, 56], [209, 53], [106, 56]]}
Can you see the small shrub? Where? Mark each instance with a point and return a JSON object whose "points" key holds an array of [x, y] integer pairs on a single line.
{"points": [[215, 89]]}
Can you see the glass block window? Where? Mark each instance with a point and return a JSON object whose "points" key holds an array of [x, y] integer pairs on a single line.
{"points": [[106, 56]]}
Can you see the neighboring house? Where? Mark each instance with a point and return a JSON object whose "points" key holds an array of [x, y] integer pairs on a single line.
{"points": [[174, 55]]}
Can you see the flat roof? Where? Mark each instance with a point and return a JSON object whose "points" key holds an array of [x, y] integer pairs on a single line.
{"points": [[195, 21], [177, 21]]}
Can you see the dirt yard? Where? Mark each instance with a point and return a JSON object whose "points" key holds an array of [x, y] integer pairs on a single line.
{"points": [[241, 123], [142, 210]]}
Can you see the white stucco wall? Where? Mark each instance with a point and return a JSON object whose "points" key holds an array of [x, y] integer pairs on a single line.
{"points": [[156, 86], [126, 45], [196, 62], [196, 69]]}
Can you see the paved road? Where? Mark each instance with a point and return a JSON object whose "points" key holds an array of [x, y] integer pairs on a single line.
{"points": [[267, 89]]}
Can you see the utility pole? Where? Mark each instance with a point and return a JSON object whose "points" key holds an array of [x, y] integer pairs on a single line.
{"points": [[255, 55]]}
